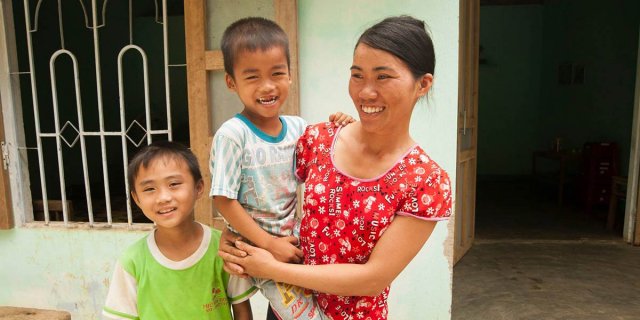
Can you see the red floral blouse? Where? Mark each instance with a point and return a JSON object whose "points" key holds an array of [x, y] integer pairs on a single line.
{"points": [[344, 217]]}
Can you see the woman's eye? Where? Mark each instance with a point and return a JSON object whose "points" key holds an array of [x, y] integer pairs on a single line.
{"points": [[383, 76], [279, 74], [356, 75]]}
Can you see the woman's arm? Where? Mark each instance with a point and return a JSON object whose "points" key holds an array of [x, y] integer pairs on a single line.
{"points": [[239, 219], [393, 252]]}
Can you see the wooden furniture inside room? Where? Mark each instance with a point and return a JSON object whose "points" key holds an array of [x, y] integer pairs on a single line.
{"points": [[560, 162], [600, 163], [618, 193]]}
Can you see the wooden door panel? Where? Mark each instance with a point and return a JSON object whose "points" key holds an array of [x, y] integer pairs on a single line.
{"points": [[467, 128]]}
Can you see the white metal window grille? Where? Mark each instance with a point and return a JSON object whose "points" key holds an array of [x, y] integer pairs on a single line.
{"points": [[70, 131]]}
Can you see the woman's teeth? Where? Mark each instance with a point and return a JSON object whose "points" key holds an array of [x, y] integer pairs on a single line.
{"points": [[372, 109]]}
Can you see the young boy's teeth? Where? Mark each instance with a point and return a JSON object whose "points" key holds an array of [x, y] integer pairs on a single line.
{"points": [[372, 109], [267, 100]]}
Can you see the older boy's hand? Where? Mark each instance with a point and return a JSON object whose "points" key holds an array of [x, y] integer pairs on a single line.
{"points": [[284, 249], [227, 245]]}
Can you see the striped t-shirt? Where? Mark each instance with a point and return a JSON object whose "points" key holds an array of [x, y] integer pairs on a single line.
{"points": [[257, 170]]}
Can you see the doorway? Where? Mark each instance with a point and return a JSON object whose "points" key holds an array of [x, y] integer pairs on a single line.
{"points": [[554, 77]]}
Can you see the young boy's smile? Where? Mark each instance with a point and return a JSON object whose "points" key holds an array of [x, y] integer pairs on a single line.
{"points": [[261, 80], [166, 192]]}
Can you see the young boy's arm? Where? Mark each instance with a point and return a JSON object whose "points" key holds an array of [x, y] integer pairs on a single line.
{"points": [[242, 311], [282, 248], [341, 119]]}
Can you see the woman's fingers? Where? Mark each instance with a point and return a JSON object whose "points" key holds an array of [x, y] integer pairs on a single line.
{"points": [[234, 269]]}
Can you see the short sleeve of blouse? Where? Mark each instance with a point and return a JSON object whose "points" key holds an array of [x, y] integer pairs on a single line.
{"points": [[429, 198], [303, 155]]}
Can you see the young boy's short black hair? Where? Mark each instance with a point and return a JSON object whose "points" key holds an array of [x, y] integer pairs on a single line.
{"points": [[162, 149], [252, 33]]}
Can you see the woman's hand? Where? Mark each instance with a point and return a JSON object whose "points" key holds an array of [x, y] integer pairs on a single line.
{"points": [[227, 245], [341, 119], [257, 262]]}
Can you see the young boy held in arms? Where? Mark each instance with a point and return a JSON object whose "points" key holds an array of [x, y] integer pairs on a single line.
{"points": [[253, 184]]}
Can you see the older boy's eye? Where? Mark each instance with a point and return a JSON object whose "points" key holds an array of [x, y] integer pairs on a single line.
{"points": [[175, 184], [147, 189], [251, 77]]}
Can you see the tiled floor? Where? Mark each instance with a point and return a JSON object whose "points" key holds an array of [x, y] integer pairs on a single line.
{"points": [[535, 260]]}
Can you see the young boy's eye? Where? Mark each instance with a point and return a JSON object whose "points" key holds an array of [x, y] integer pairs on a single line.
{"points": [[148, 189], [253, 77], [174, 184]]}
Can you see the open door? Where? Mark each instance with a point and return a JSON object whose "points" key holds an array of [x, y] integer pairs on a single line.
{"points": [[464, 218]]}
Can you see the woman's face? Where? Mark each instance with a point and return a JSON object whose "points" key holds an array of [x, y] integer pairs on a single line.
{"points": [[384, 90]]}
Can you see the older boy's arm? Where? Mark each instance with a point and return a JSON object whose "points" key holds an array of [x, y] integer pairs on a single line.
{"points": [[282, 248], [242, 311]]}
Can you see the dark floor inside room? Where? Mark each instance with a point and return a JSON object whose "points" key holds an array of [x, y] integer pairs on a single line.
{"points": [[535, 259]]}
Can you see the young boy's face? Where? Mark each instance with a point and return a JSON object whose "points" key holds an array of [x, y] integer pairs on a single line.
{"points": [[261, 79], [166, 192]]}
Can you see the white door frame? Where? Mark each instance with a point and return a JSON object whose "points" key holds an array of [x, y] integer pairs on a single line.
{"points": [[631, 206]]}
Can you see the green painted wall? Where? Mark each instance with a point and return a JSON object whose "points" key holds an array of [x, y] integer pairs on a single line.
{"points": [[509, 88], [63, 269], [522, 107], [69, 268], [603, 36]]}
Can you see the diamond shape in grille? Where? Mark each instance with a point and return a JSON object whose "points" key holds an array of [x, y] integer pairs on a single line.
{"points": [[138, 130], [75, 133]]}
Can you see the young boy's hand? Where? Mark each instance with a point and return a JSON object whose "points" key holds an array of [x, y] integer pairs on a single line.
{"points": [[341, 119], [284, 249]]}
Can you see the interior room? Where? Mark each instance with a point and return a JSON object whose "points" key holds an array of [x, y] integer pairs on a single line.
{"points": [[557, 89], [556, 96]]}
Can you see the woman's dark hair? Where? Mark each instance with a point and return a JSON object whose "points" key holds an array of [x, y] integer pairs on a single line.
{"points": [[158, 150], [251, 34], [406, 38]]}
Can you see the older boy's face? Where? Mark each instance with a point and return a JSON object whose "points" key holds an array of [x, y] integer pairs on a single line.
{"points": [[261, 80], [166, 192]]}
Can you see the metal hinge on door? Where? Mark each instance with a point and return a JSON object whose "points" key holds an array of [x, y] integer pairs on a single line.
{"points": [[5, 155]]}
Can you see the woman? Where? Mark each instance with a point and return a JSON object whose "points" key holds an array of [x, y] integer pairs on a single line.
{"points": [[372, 195]]}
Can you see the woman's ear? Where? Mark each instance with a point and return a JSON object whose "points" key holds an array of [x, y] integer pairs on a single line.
{"points": [[231, 84], [426, 81]]}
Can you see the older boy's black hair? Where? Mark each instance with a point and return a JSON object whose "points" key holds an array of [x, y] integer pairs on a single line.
{"points": [[406, 38], [158, 150], [252, 34]]}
